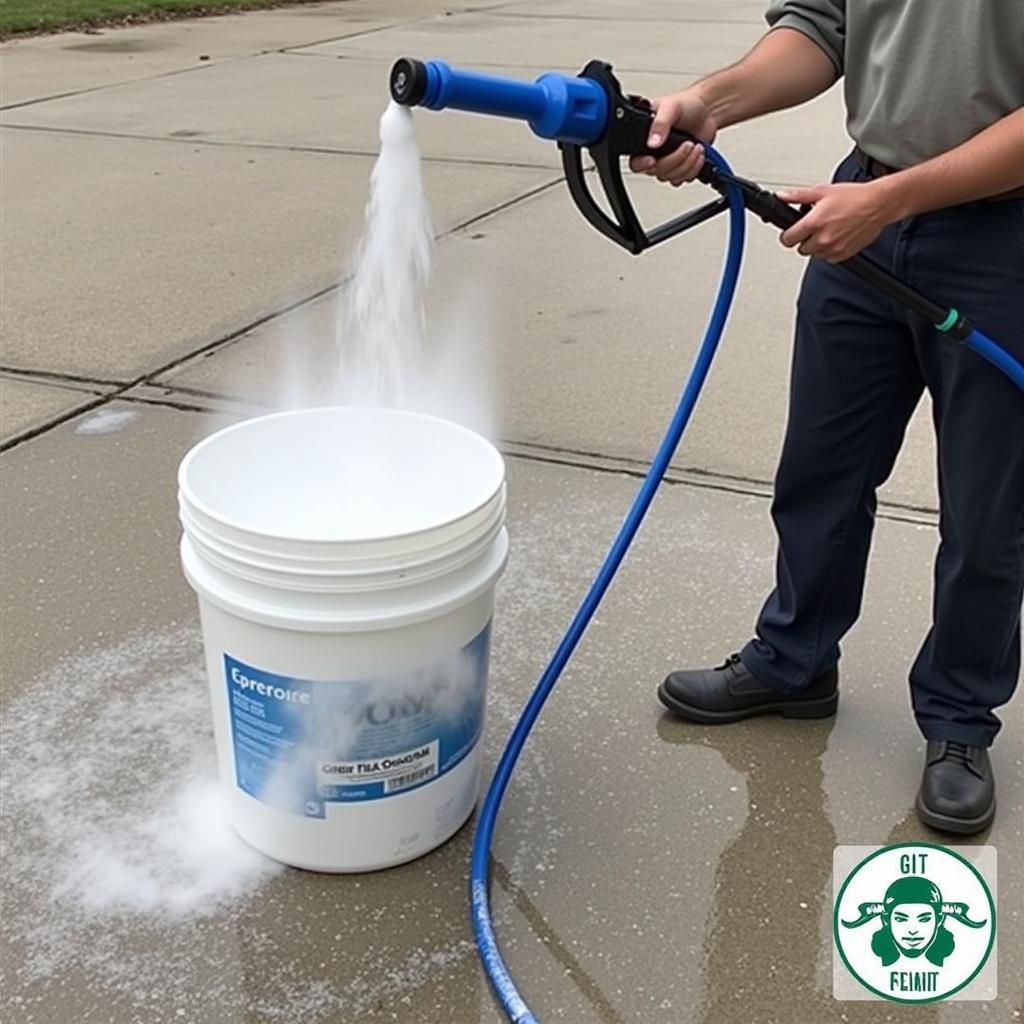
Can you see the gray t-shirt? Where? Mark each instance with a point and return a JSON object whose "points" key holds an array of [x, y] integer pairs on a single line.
{"points": [[921, 76]]}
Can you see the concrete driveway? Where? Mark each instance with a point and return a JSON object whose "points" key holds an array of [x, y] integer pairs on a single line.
{"points": [[181, 204]]}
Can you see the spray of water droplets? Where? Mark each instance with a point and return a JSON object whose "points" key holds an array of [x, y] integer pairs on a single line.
{"points": [[380, 337]]}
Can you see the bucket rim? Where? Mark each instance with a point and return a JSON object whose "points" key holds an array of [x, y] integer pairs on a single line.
{"points": [[327, 560], [343, 579], [187, 496], [202, 576]]}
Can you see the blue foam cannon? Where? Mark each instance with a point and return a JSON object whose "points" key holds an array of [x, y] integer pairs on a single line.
{"points": [[590, 111], [573, 110]]}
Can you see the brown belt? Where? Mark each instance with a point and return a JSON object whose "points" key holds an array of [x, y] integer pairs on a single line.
{"points": [[878, 170]]}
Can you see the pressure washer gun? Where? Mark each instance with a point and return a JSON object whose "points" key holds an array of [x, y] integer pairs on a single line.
{"points": [[590, 111]]}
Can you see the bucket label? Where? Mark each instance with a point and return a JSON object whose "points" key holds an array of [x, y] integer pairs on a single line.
{"points": [[300, 744]]}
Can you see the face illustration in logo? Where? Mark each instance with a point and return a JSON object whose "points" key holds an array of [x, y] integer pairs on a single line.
{"points": [[913, 915], [913, 926]]}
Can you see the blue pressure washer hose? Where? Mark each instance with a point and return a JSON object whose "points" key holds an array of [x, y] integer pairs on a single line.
{"points": [[578, 112], [996, 355], [490, 955]]}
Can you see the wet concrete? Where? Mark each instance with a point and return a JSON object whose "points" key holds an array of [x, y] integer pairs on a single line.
{"points": [[646, 870]]}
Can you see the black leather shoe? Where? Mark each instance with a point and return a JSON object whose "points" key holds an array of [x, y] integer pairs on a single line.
{"points": [[958, 791], [730, 693]]}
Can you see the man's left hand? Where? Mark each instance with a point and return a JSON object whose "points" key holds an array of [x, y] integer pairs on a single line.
{"points": [[844, 219]]}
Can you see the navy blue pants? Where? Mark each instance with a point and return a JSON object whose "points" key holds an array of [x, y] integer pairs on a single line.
{"points": [[860, 366]]}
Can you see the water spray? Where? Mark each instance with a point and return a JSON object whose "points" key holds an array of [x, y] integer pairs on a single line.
{"points": [[591, 112]]}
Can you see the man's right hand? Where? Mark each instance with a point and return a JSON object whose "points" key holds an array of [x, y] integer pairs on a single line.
{"points": [[689, 113]]}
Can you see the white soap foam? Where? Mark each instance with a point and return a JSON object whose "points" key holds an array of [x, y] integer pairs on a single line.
{"points": [[109, 772], [107, 421], [184, 859]]}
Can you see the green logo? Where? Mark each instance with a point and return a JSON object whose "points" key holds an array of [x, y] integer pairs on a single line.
{"points": [[914, 923]]}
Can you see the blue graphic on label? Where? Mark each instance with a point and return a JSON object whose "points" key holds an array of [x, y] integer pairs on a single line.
{"points": [[300, 744]]}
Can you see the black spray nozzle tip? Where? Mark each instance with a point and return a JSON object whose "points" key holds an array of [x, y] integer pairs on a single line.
{"points": [[408, 81]]}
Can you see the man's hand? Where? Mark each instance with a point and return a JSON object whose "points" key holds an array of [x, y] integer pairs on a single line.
{"points": [[784, 69], [843, 220], [689, 113]]}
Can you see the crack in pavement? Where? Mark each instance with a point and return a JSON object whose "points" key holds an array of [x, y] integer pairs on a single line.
{"points": [[192, 140], [701, 479], [55, 377], [114, 85], [27, 435], [150, 376], [526, 451]]}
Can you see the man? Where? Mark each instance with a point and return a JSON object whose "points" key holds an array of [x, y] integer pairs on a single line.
{"points": [[935, 191]]}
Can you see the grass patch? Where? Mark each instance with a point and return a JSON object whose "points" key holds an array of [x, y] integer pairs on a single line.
{"points": [[25, 16]]}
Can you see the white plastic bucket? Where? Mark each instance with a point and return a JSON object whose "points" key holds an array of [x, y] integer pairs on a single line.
{"points": [[345, 561]]}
